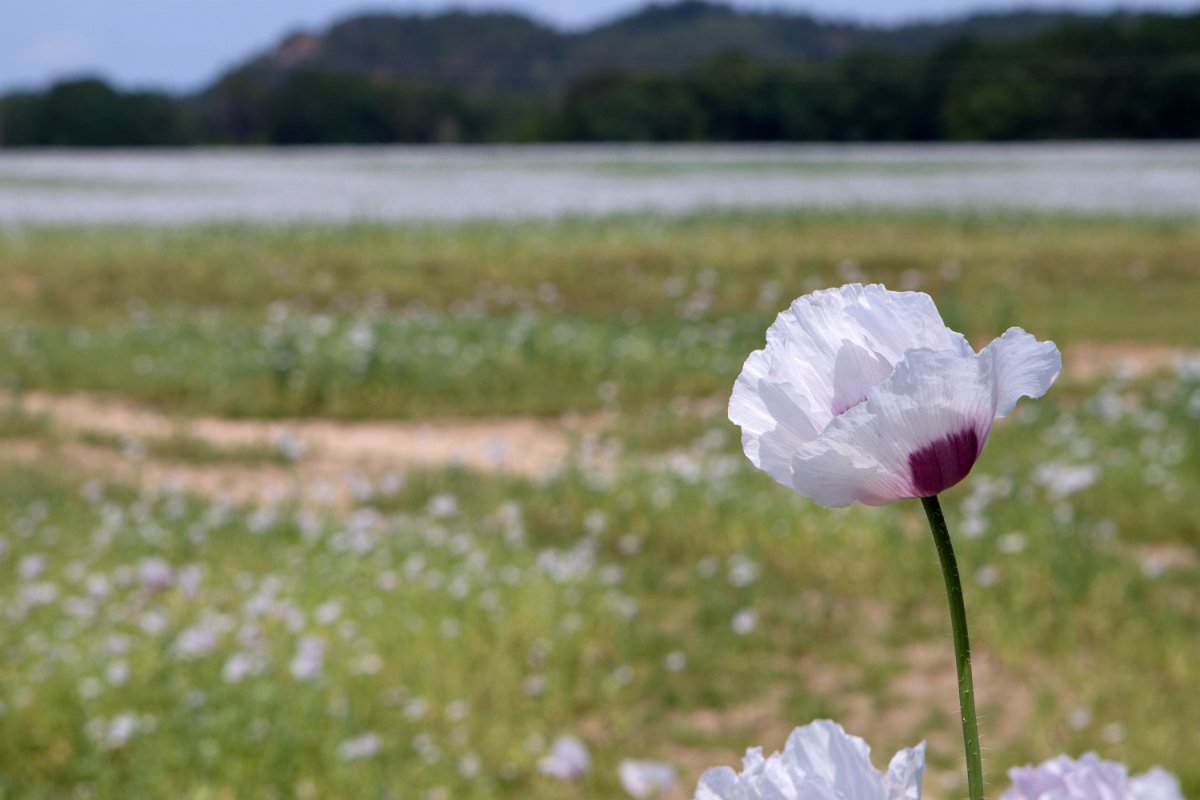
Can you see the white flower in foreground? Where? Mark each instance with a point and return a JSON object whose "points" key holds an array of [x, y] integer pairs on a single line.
{"points": [[568, 759], [643, 779], [820, 762], [863, 395], [1089, 778]]}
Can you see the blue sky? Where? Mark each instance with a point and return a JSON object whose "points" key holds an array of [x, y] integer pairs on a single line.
{"points": [[182, 44]]}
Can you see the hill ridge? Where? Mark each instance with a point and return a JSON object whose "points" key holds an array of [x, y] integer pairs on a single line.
{"points": [[508, 50]]}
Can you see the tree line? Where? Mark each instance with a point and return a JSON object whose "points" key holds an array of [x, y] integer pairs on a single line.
{"points": [[1120, 77]]}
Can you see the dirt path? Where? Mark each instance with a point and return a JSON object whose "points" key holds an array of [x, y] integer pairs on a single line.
{"points": [[330, 459], [524, 446], [1088, 361]]}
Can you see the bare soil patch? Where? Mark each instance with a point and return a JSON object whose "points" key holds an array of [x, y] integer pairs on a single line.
{"points": [[1087, 361], [328, 455], [331, 456]]}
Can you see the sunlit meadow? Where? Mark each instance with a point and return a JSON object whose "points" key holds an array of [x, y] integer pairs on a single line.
{"points": [[394, 630]]}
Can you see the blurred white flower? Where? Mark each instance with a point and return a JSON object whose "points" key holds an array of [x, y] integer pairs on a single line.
{"points": [[289, 446], [119, 731], [367, 664], [117, 673], [457, 710], [629, 544], [1089, 778], [1065, 479], [31, 567], [194, 642], [863, 395], [642, 779], [1011, 543], [328, 612], [116, 644], [415, 709], [743, 571], [1154, 566], [443, 505], [90, 688], [820, 762], [469, 766], [366, 746], [594, 522], [240, 666], [97, 585], [391, 482], [987, 575], [155, 574], [568, 759], [190, 578], [675, 661], [1079, 718], [744, 621], [1113, 732], [309, 660], [153, 622]]}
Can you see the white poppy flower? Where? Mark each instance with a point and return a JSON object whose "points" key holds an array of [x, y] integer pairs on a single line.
{"points": [[863, 395], [1089, 778], [820, 762]]}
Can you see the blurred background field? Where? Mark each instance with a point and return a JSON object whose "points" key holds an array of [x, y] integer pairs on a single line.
{"points": [[406, 183], [381, 509], [372, 465]]}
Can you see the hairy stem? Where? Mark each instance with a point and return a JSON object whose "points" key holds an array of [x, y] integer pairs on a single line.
{"points": [[962, 647]]}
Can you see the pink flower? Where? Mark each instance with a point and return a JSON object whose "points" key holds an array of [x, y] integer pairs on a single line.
{"points": [[1089, 778], [863, 395], [820, 762]]}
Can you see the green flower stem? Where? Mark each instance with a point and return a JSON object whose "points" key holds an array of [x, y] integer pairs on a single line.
{"points": [[962, 647]]}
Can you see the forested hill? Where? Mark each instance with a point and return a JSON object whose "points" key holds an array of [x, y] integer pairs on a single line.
{"points": [[687, 71], [495, 50]]}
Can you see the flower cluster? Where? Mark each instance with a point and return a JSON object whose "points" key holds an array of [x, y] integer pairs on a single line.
{"points": [[822, 762]]}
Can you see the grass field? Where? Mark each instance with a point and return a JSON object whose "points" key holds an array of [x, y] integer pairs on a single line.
{"points": [[656, 596]]}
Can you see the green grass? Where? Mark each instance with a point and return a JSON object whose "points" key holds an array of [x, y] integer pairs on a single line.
{"points": [[536, 317], [469, 619], [16, 423], [386, 367], [187, 449], [1138, 275], [583, 587]]}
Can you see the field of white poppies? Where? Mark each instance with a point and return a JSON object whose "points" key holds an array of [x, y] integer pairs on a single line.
{"points": [[387, 510]]}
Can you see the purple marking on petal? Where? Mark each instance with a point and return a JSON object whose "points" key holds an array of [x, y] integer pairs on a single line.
{"points": [[943, 463]]}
